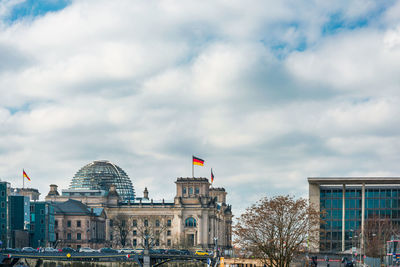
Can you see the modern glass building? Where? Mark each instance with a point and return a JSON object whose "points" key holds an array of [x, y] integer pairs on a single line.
{"points": [[19, 207], [42, 224], [100, 175], [346, 214], [4, 234]]}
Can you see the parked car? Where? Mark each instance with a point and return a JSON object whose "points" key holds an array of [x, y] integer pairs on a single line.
{"points": [[139, 250], [201, 253], [155, 251], [174, 252], [126, 250], [28, 249], [87, 250], [10, 250], [186, 252], [50, 249], [68, 250], [107, 250]]}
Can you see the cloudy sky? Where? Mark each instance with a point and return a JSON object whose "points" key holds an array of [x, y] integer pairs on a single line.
{"points": [[268, 93]]}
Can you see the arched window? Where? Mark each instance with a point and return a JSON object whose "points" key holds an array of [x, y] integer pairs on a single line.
{"points": [[190, 222]]}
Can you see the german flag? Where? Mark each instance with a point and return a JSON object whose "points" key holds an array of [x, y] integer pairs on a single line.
{"points": [[198, 161], [212, 176], [25, 175]]}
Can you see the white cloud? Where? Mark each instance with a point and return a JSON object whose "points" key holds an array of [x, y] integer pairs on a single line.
{"points": [[147, 84]]}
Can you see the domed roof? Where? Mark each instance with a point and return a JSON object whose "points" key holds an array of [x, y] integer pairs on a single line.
{"points": [[99, 175]]}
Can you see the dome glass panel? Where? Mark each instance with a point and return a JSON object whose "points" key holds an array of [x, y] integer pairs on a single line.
{"points": [[99, 175]]}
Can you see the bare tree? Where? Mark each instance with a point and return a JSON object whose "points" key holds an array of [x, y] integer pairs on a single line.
{"points": [[121, 227], [150, 232], [276, 229], [377, 231]]}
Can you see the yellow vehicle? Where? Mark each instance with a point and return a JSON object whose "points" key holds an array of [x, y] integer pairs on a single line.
{"points": [[201, 253]]}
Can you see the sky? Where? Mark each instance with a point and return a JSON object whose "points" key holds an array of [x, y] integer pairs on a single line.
{"points": [[268, 93]]}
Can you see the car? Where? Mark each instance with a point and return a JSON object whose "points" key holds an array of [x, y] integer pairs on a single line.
{"points": [[185, 252], [126, 250], [139, 251], [155, 251], [28, 249], [201, 253], [87, 250], [174, 252], [50, 249], [107, 250], [10, 250], [68, 250]]}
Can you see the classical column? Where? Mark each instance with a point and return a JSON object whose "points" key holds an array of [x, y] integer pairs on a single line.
{"points": [[343, 216], [314, 199]]}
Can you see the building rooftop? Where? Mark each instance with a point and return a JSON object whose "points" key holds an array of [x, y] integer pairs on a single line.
{"points": [[353, 180]]}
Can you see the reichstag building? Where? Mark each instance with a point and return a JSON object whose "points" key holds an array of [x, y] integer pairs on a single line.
{"points": [[101, 208]]}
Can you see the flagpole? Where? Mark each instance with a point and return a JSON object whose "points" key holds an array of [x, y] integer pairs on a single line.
{"points": [[23, 180], [192, 167]]}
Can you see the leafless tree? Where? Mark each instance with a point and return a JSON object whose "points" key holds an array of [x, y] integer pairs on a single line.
{"points": [[377, 231], [121, 229], [276, 229], [150, 232]]}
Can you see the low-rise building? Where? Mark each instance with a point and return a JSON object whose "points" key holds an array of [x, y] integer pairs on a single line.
{"points": [[77, 225]]}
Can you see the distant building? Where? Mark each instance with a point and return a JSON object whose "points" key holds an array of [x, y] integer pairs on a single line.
{"points": [[42, 224], [19, 208], [4, 233], [348, 203], [19, 220], [32, 193], [197, 217], [77, 225]]}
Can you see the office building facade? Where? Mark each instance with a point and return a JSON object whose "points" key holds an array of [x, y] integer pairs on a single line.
{"points": [[347, 203], [42, 224]]}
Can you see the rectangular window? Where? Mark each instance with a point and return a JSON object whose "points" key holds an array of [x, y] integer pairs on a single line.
{"points": [[3, 215], [184, 190], [197, 190], [190, 190], [3, 193], [134, 223], [69, 236], [157, 242], [42, 212], [56, 223], [123, 223], [146, 223], [134, 242], [157, 223], [169, 223], [78, 236], [134, 232], [3, 204], [169, 242], [68, 223], [78, 223], [168, 232]]}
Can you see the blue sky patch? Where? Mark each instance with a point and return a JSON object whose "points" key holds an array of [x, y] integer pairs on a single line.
{"points": [[34, 8]]}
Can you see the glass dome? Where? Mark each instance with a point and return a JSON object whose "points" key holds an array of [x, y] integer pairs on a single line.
{"points": [[99, 175]]}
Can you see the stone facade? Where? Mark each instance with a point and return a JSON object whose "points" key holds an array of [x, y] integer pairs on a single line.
{"points": [[197, 218], [77, 225]]}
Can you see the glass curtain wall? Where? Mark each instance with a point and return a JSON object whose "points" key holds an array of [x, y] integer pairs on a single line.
{"points": [[379, 201]]}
